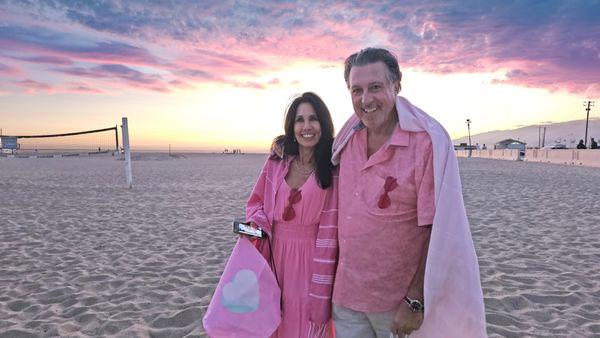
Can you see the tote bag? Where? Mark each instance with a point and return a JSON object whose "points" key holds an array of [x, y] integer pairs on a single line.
{"points": [[246, 302]]}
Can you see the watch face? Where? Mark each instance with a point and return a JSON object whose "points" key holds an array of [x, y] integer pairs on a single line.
{"points": [[415, 305]]}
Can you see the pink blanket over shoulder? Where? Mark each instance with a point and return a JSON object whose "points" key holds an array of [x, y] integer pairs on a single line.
{"points": [[453, 296]]}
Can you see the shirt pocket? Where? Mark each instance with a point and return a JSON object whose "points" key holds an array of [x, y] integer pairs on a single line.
{"points": [[400, 196]]}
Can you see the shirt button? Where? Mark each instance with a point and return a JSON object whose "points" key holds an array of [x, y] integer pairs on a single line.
{"points": [[355, 194], [348, 217]]}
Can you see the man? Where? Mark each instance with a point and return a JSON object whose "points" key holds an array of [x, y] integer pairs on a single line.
{"points": [[398, 176], [593, 144], [581, 145]]}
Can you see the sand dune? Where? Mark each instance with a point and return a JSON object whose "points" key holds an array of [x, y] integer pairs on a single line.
{"points": [[80, 255]]}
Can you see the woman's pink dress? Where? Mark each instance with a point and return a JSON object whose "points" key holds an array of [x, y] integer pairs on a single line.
{"points": [[293, 247]]}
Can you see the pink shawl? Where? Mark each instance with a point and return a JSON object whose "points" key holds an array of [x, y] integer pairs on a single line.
{"points": [[260, 210], [453, 296]]}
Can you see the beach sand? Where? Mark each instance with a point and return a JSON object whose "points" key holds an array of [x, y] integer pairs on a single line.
{"points": [[536, 229], [81, 255]]}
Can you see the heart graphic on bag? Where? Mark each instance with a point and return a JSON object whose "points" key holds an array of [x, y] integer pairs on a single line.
{"points": [[241, 295]]}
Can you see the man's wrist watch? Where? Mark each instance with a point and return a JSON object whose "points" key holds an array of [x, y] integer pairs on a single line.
{"points": [[415, 305]]}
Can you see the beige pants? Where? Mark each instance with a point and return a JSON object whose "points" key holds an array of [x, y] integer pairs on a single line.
{"points": [[355, 324]]}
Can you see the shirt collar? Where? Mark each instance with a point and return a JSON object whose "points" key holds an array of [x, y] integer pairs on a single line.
{"points": [[360, 125], [399, 137]]}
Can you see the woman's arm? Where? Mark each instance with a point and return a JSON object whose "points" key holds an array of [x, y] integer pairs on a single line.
{"points": [[255, 213]]}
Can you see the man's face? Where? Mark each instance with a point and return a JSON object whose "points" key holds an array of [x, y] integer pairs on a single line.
{"points": [[373, 95]]}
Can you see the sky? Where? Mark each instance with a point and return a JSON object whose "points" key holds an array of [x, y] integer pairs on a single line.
{"points": [[214, 75]]}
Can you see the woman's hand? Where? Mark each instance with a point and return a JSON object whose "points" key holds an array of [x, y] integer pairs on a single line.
{"points": [[251, 238]]}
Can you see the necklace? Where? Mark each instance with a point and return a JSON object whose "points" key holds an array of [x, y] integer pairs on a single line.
{"points": [[302, 171]]}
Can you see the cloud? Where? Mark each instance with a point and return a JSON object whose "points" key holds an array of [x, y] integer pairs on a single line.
{"points": [[126, 74], [30, 86], [55, 44], [81, 88], [8, 70], [180, 84], [249, 84], [551, 46], [45, 59]]}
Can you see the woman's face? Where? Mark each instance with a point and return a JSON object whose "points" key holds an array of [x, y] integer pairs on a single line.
{"points": [[307, 129]]}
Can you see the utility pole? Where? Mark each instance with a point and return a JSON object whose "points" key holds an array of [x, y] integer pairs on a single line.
{"points": [[469, 130], [544, 137], [589, 104], [541, 135]]}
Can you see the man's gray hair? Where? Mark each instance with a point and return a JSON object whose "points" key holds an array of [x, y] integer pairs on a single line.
{"points": [[373, 55]]}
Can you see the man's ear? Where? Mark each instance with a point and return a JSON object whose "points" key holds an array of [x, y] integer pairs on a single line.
{"points": [[397, 87]]}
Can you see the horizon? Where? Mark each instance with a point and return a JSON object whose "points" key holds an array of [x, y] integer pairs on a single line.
{"points": [[217, 75]]}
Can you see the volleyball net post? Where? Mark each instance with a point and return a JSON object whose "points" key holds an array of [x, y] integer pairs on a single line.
{"points": [[127, 150]]}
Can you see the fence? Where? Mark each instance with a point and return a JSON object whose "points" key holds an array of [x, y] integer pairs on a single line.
{"points": [[497, 154], [583, 157]]}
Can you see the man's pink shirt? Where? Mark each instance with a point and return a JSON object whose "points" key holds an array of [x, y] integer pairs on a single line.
{"points": [[380, 248]]}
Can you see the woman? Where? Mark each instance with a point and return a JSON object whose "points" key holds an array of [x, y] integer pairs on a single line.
{"points": [[295, 202]]}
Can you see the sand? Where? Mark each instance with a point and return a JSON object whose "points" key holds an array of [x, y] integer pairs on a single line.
{"points": [[536, 229], [81, 256]]}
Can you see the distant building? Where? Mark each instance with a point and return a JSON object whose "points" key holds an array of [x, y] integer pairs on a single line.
{"points": [[464, 146], [510, 144]]}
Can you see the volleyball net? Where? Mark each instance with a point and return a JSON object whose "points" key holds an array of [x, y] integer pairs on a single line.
{"points": [[89, 142]]}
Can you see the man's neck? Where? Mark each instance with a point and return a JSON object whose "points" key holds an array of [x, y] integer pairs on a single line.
{"points": [[376, 138]]}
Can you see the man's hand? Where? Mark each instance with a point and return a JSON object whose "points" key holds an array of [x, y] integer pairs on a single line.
{"points": [[277, 146], [406, 321]]}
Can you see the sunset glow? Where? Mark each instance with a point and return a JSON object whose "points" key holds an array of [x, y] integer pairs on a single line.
{"points": [[205, 76]]}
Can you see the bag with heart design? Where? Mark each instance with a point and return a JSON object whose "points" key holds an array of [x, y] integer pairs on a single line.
{"points": [[246, 302]]}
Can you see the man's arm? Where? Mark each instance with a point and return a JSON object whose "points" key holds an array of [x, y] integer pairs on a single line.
{"points": [[415, 290], [406, 321]]}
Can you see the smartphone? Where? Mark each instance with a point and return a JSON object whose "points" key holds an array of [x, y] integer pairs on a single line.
{"points": [[246, 229]]}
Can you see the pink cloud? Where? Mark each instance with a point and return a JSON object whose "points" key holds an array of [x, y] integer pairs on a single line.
{"points": [[44, 59], [111, 72], [8, 70], [80, 88], [31, 86], [250, 84], [554, 49], [180, 84]]}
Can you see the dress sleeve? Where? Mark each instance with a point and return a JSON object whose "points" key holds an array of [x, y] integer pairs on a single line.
{"points": [[255, 206], [424, 181]]}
